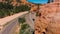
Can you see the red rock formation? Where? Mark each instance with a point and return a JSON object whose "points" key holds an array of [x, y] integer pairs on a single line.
{"points": [[49, 21]]}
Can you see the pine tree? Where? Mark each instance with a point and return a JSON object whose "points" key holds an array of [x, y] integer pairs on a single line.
{"points": [[52, 0], [48, 1]]}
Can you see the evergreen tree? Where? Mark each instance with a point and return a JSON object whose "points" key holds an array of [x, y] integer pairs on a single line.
{"points": [[48, 1], [52, 0]]}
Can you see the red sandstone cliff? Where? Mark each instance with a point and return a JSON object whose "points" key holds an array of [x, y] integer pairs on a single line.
{"points": [[49, 21]]}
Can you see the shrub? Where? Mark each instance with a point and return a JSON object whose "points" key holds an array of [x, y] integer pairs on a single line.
{"points": [[21, 20], [1, 14], [23, 8], [23, 28], [6, 9]]}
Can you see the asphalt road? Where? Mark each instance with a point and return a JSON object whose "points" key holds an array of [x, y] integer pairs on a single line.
{"points": [[10, 25], [9, 28], [29, 20]]}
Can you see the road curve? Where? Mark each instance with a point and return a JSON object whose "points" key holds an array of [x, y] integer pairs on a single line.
{"points": [[29, 20]]}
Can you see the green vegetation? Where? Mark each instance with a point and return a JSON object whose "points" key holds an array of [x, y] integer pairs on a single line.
{"points": [[25, 28], [23, 8], [21, 20], [7, 9]]}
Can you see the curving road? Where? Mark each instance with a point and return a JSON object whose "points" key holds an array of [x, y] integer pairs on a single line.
{"points": [[12, 23], [9, 27], [29, 20]]}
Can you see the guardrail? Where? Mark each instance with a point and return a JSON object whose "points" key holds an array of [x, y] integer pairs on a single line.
{"points": [[10, 22]]}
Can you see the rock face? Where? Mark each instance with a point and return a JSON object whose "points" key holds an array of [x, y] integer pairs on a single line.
{"points": [[49, 21]]}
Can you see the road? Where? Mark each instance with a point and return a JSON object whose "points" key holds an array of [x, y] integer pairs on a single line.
{"points": [[29, 20], [9, 28], [12, 22]]}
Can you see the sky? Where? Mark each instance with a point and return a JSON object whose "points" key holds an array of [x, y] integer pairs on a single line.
{"points": [[44, 1], [38, 1]]}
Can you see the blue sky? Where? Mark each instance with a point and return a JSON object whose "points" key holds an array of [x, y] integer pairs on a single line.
{"points": [[44, 1], [38, 1]]}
